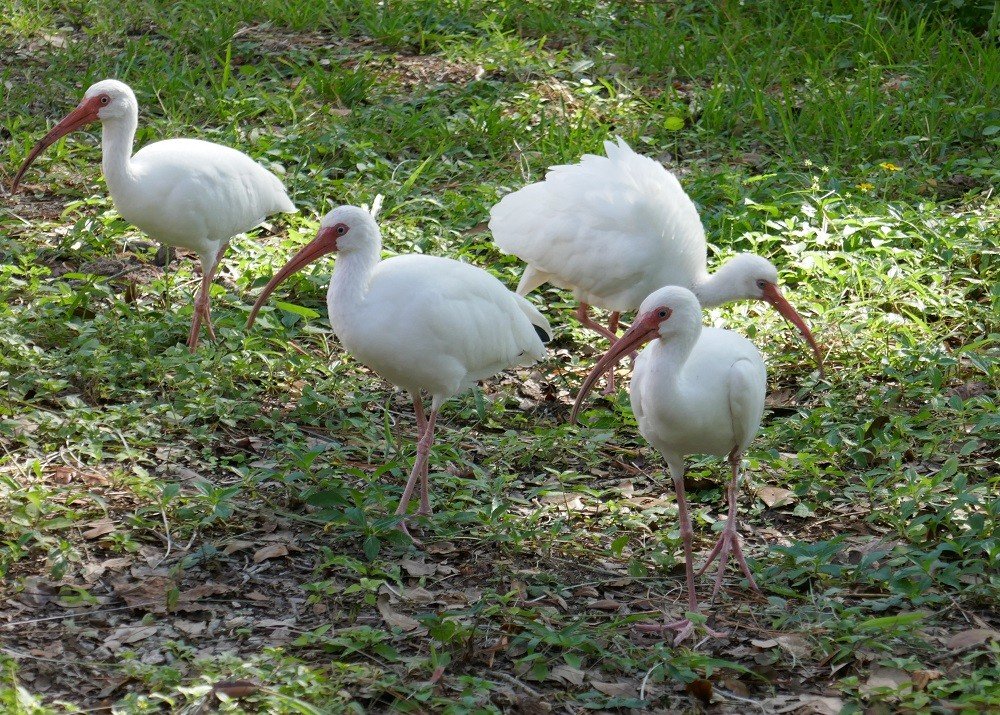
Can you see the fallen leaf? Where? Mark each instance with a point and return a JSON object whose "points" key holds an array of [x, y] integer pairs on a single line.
{"points": [[99, 528], [270, 552], [971, 637], [776, 496], [235, 688], [891, 678], [922, 677], [236, 545], [419, 595], [128, 634], [700, 689], [605, 604], [566, 674], [621, 689], [418, 568], [803, 705], [192, 628], [798, 646], [393, 619]]}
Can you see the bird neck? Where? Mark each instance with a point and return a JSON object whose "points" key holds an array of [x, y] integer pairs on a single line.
{"points": [[720, 287], [351, 277], [117, 136], [674, 349]]}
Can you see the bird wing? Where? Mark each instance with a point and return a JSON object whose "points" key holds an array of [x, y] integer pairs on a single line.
{"points": [[747, 390], [449, 325], [605, 227], [187, 188]]}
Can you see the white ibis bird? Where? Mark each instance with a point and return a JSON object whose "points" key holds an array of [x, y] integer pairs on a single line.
{"points": [[614, 229], [182, 192], [423, 323], [694, 390]]}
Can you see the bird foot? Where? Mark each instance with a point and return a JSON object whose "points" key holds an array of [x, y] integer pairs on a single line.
{"points": [[684, 627], [728, 545], [609, 385], [402, 527], [424, 511]]}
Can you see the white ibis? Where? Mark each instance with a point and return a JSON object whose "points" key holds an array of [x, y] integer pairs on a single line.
{"points": [[423, 323], [614, 229], [182, 192], [694, 390]]}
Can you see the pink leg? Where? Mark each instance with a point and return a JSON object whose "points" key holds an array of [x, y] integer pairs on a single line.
{"points": [[585, 320], [419, 466], [203, 302], [729, 541], [425, 489], [418, 410], [684, 626]]}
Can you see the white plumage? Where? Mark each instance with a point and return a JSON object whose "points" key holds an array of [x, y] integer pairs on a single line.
{"points": [[694, 390], [182, 192], [613, 229], [423, 323]]}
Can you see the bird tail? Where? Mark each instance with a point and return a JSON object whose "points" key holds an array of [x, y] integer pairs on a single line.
{"points": [[531, 279], [538, 322]]}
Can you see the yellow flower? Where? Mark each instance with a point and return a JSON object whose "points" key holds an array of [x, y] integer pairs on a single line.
{"points": [[889, 166], [865, 186]]}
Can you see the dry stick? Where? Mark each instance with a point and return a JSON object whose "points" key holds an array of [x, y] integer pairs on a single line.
{"points": [[511, 680], [84, 614]]}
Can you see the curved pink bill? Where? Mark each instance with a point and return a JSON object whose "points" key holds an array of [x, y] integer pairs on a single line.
{"points": [[84, 114], [773, 296], [643, 329], [324, 243]]}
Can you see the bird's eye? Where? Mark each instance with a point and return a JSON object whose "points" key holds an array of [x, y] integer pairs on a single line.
{"points": [[662, 314], [341, 229], [761, 284], [104, 99]]}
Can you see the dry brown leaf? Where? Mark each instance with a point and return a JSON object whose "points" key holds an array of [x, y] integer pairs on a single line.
{"points": [[273, 551], [393, 619], [803, 705], [605, 604], [129, 634], [776, 496], [419, 595], [99, 528], [440, 547], [418, 568], [192, 628], [621, 689], [798, 646], [922, 677], [236, 545], [235, 688], [566, 674], [700, 689], [882, 677], [971, 637]]}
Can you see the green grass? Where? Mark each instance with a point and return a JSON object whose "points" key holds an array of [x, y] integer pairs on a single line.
{"points": [[855, 144]]}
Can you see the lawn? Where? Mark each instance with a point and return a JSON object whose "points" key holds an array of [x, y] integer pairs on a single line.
{"points": [[181, 532]]}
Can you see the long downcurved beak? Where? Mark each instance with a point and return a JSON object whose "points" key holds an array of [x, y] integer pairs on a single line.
{"points": [[324, 243], [773, 296], [85, 113], [643, 329]]}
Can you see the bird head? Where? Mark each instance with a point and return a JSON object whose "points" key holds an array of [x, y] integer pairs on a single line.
{"points": [[106, 100], [665, 313], [345, 229], [754, 277]]}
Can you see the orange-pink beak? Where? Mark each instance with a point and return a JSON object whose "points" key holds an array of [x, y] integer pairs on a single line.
{"points": [[324, 243], [773, 296], [643, 329], [85, 113]]}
